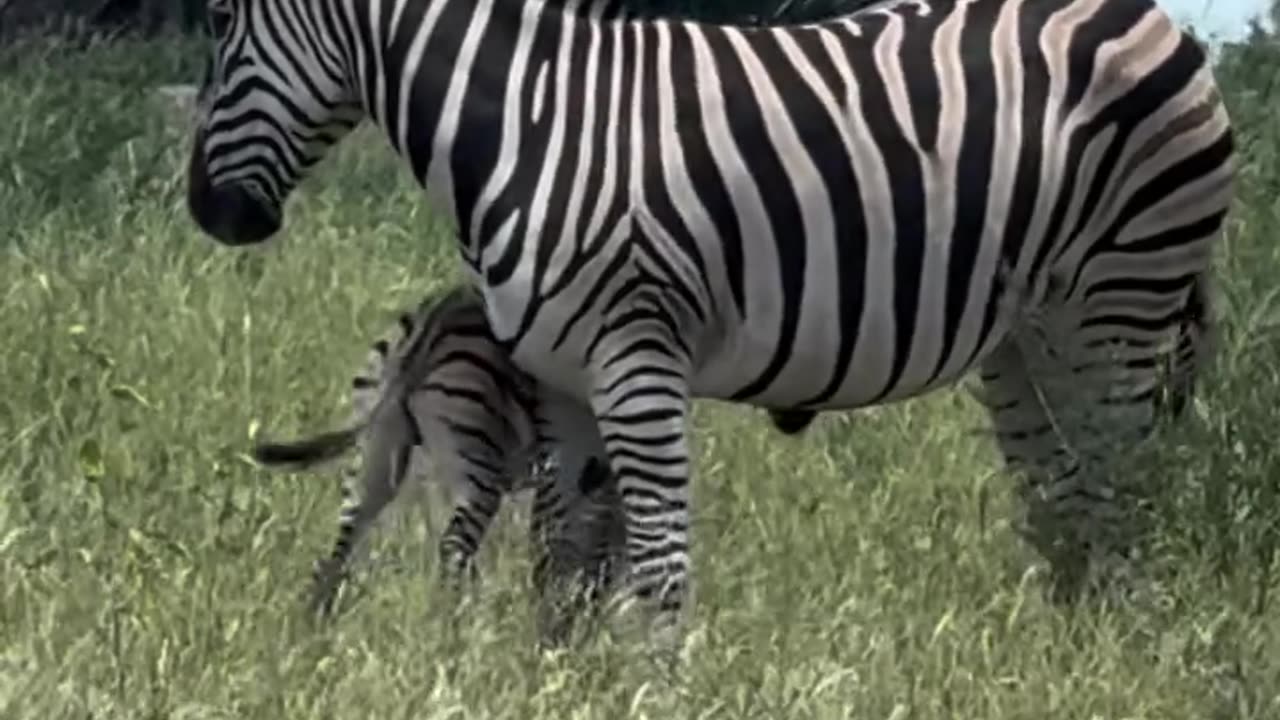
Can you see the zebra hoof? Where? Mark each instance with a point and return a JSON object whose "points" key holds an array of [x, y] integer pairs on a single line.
{"points": [[326, 581], [321, 604], [791, 422]]}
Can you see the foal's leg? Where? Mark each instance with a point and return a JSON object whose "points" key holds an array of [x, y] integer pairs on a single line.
{"points": [[479, 488], [569, 434], [385, 467]]}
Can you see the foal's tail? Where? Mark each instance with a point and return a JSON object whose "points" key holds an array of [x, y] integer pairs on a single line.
{"points": [[307, 452]]}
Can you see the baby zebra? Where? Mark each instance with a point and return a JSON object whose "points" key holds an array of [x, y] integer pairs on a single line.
{"points": [[439, 388]]}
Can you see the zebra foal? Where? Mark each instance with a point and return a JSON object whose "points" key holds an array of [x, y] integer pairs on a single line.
{"points": [[437, 388], [801, 218]]}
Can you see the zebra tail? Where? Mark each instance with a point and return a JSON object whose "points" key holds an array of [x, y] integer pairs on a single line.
{"points": [[1197, 335], [307, 452]]}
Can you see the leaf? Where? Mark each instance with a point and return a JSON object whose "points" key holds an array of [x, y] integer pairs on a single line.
{"points": [[104, 360], [126, 392], [11, 538], [91, 463], [175, 547]]}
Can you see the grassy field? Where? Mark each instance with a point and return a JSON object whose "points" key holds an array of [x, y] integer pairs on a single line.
{"points": [[867, 570]]}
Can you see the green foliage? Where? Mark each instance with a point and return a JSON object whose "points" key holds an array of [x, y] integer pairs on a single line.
{"points": [[56, 146], [1253, 66], [25, 17], [867, 570]]}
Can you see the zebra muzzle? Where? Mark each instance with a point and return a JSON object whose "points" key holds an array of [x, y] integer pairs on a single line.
{"points": [[229, 212]]}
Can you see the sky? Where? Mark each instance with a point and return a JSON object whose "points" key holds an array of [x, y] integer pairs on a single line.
{"points": [[1226, 18]]}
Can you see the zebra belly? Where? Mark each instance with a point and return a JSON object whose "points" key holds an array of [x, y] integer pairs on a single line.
{"points": [[830, 361], [876, 370]]}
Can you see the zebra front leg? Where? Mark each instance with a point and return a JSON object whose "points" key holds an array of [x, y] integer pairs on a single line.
{"points": [[641, 406]]}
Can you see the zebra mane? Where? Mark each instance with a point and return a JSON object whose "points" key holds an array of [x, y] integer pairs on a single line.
{"points": [[605, 9]]}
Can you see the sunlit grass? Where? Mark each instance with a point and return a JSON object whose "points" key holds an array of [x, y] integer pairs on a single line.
{"points": [[866, 570]]}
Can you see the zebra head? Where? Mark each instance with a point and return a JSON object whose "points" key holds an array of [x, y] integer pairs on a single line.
{"points": [[276, 95]]}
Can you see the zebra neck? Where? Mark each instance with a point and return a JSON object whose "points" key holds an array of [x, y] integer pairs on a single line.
{"points": [[452, 84]]}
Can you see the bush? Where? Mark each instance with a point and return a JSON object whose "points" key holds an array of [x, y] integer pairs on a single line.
{"points": [[75, 16]]}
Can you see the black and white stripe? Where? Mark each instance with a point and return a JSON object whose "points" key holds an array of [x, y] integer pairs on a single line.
{"points": [[438, 392], [819, 216]]}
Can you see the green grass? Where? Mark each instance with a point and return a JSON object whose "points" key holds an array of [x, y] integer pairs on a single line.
{"points": [[868, 570]]}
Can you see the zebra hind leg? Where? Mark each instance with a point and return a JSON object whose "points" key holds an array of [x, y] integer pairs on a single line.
{"points": [[1118, 394], [1051, 484], [473, 513], [1131, 371], [1102, 388]]}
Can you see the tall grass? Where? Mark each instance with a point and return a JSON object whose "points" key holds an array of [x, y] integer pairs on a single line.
{"points": [[868, 570]]}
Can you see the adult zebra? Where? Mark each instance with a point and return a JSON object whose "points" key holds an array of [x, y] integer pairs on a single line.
{"points": [[829, 215]]}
